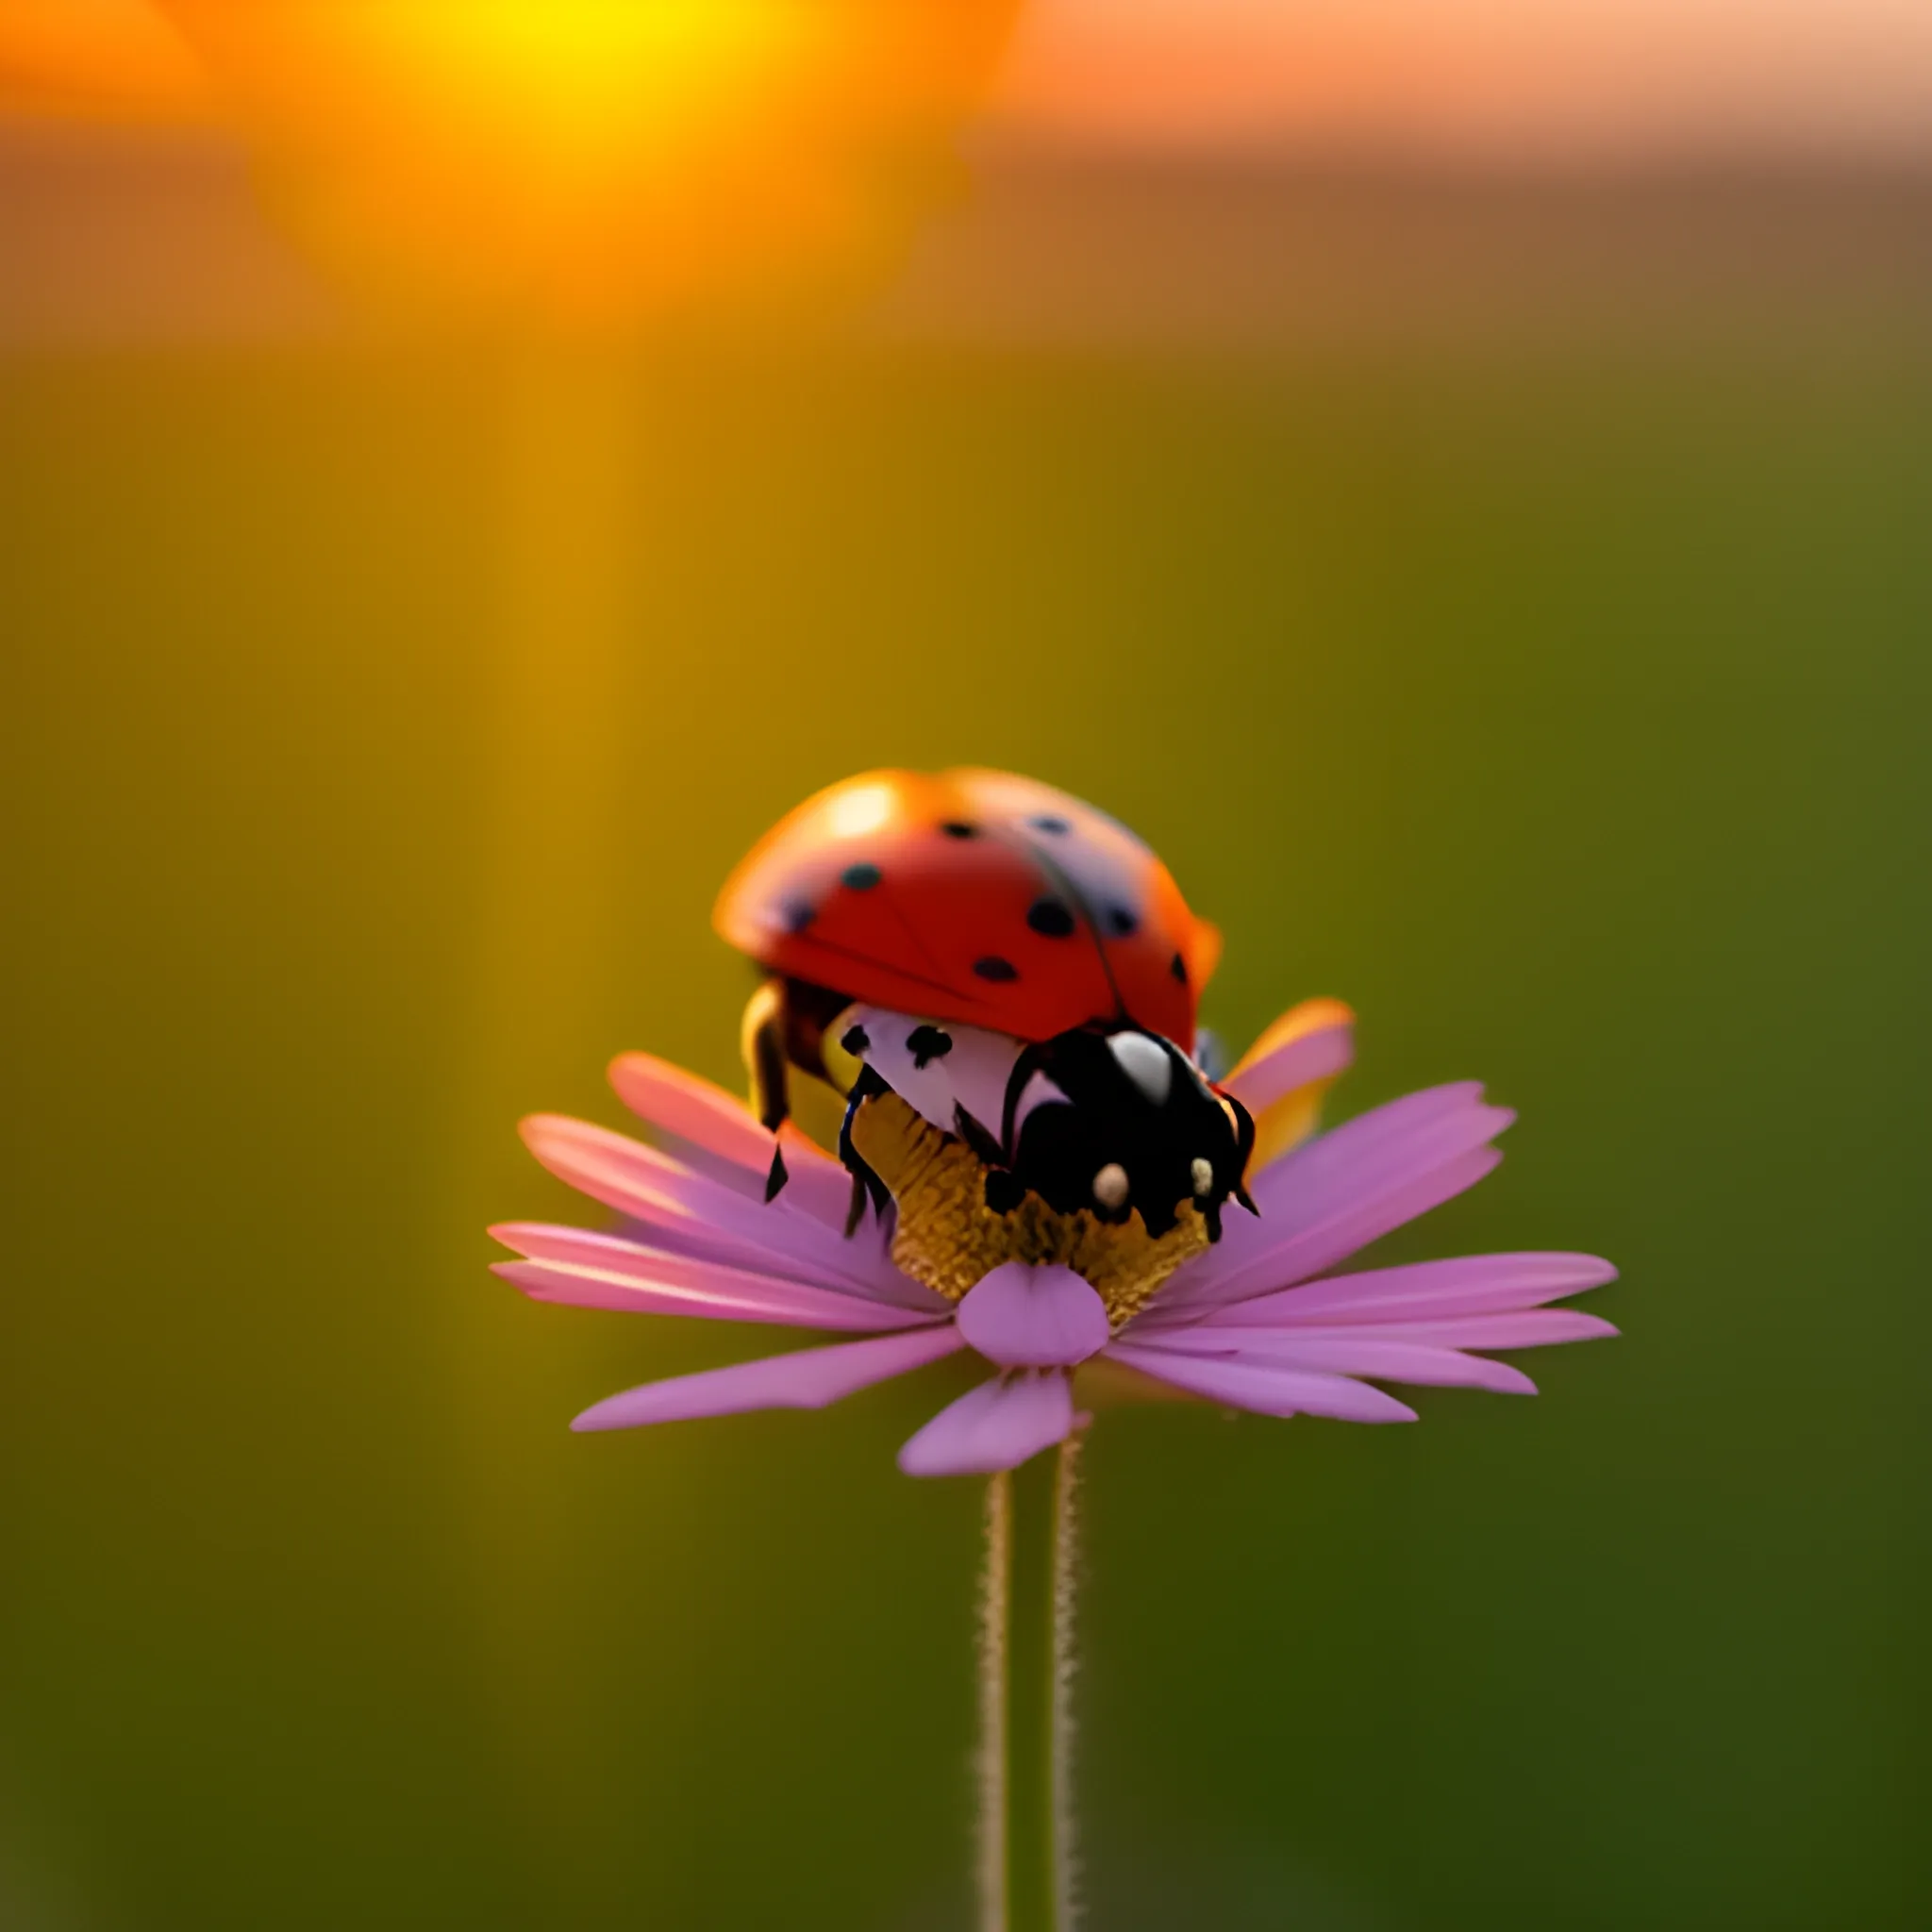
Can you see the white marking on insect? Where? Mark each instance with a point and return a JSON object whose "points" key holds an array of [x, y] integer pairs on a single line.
{"points": [[1203, 1173], [1110, 1185], [972, 1073], [1145, 1062], [1041, 1091]]}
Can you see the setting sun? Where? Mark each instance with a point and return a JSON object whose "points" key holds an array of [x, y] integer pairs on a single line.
{"points": [[595, 160]]}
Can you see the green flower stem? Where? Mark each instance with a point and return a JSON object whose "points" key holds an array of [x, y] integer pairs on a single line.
{"points": [[1026, 1670]]}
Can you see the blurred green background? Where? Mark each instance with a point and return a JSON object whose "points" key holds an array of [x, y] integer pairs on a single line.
{"points": [[380, 721]]}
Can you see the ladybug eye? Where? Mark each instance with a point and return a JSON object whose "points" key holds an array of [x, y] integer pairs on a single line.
{"points": [[1110, 1185], [1202, 1172]]}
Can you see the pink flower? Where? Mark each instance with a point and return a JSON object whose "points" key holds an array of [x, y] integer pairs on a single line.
{"points": [[1259, 1321]]}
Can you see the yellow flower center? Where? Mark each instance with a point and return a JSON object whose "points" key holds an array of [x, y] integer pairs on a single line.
{"points": [[947, 1236]]}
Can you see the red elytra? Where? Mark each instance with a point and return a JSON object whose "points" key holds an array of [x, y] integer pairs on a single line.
{"points": [[974, 896]]}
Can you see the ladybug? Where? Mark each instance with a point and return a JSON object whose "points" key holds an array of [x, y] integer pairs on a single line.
{"points": [[1014, 965]]}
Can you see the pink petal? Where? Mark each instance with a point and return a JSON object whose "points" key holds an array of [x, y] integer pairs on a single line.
{"points": [[1350, 1230], [1312, 1199], [1023, 1317], [1318, 1055], [1264, 1389], [1352, 1352], [773, 1237], [997, 1425], [1342, 1233], [818, 1184], [1471, 1285], [809, 1379], [692, 1109], [600, 1270], [1526, 1328], [1419, 1130]]}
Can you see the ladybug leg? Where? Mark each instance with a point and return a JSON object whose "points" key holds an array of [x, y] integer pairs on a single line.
{"points": [[763, 1039], [866, 1185], [1244, 1145], [856, 1212], [1004, 1191], [978, 1137]]}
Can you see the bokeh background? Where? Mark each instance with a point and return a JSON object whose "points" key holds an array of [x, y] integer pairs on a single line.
{"points": [[1461, 484]]}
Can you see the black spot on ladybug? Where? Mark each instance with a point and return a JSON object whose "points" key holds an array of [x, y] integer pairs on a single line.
{"points": [[861, 877], [958, 828], [1050, 918], [854, 1040], [1121, 923], [795, 915], [1049, 821], [926, 1045], [992, 967], [1178, 967]]}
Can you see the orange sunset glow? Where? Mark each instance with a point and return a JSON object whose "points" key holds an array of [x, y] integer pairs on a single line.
{"points": [[108, 58], [593, 162], [1549, 75]]}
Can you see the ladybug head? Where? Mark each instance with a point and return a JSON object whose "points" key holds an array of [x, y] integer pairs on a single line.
{"points": [[1117, 1121]]}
